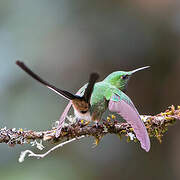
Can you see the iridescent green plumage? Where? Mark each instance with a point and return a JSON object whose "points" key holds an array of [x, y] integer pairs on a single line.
{"points": [[105, 89], [109, 94]]}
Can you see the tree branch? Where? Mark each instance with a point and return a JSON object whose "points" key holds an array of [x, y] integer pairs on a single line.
{"points": [[156, 126]]}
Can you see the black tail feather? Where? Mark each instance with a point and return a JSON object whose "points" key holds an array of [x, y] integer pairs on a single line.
{"points": [[63, 93], [92, 80]]}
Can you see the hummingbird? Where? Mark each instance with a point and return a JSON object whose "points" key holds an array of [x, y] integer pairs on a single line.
{"points": [[94, 98], [109, 94]]}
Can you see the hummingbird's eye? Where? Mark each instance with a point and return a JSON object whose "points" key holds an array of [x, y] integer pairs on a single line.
{"points": [[124, 77]]}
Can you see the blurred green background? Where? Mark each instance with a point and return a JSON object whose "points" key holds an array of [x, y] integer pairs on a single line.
{"points": [[64, 41]]}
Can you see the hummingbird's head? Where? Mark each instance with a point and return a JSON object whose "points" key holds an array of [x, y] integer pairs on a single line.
{"points": [[120, 78]]}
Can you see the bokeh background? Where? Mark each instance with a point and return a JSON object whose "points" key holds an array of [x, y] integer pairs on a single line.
{"points": [[64, 41]]}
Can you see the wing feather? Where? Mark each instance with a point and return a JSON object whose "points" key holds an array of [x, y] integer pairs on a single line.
{"points": [[122, 105]]}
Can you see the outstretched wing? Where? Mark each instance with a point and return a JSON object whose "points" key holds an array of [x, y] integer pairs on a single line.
{"points": [[121, 104], [66, 110]]}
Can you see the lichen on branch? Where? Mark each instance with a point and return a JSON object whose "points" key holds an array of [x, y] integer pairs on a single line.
{"points": [[156, 126]]}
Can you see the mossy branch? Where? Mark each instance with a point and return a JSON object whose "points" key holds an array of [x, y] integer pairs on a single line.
{"points": [[156, 126]]}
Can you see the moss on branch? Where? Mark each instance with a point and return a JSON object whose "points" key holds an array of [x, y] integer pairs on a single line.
{"points": [[156, 126]]}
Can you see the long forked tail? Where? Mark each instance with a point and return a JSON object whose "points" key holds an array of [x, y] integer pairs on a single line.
{"points": [[63, 93], [86, 97]]}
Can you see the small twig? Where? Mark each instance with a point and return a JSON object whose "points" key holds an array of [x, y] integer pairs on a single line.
{"points": [[32, 154]]}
